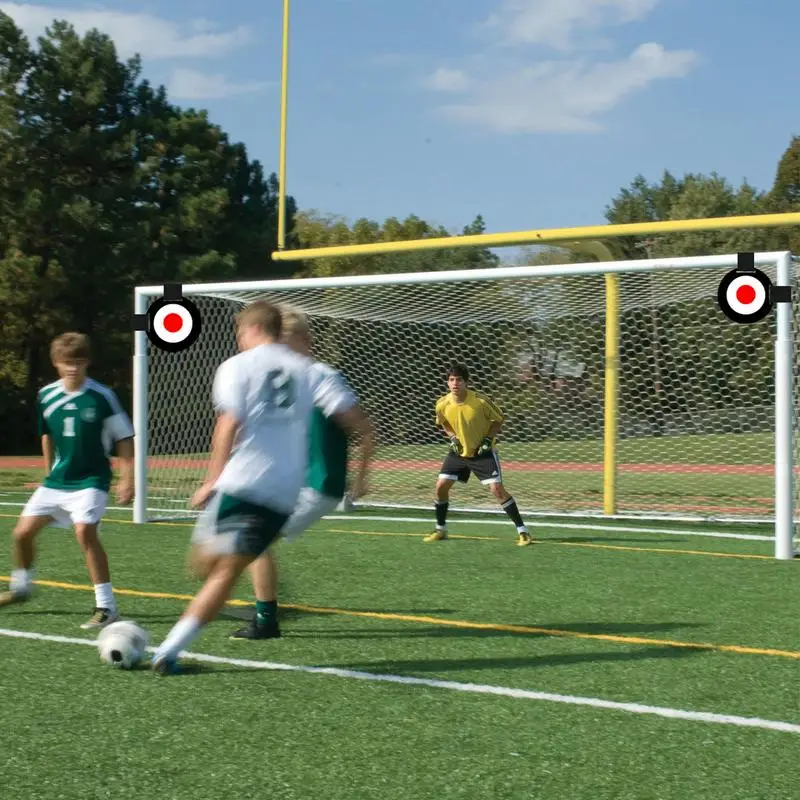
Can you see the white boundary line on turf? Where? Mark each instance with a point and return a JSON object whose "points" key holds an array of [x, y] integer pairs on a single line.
{"points": [[568, 525], [473, 688], [578, 526]]}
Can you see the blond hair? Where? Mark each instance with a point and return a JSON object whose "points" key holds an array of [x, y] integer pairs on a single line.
{"points": [[295, 323], [70, 347], [263, 315]]}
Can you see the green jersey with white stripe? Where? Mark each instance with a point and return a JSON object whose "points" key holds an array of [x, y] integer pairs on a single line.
{"points": [[84, 426]]}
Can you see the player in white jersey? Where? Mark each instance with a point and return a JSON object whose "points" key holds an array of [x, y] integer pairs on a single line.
{"points": [[325, 483], [264, 398]]}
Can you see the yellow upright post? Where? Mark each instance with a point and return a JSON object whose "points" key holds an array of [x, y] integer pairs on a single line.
{"points": [[604, 252], [282, 155]]}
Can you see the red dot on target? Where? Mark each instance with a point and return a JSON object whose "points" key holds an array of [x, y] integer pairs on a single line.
{"points": [[745, 294], [173, 322]]}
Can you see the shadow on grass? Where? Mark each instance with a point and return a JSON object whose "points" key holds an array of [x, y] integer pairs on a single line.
{"points": [[512, 662]]}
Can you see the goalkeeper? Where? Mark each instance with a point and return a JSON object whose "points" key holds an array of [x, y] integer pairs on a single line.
{"points": [[471, 421]]}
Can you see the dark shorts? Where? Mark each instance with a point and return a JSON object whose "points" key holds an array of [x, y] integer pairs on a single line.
{"points": [[486, 468], [230, 526]]}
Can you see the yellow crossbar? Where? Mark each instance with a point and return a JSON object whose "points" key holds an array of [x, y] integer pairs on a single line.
{"points": [[547, 236]]}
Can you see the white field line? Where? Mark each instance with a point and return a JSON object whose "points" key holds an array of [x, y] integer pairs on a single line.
{"points": [[578, 526], [473, 688]]}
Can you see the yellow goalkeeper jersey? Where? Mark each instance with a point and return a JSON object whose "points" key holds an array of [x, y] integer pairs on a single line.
{"points": [[471, 419]]}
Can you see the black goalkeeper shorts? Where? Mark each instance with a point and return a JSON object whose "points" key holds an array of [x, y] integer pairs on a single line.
{"points": [[486, 468]]}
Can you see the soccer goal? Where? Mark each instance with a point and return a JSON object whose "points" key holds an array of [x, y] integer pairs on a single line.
{"points": [[627, 392]]}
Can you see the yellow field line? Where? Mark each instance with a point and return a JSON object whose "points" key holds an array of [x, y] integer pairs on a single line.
{"points": [[530, 630], [593, 545]]}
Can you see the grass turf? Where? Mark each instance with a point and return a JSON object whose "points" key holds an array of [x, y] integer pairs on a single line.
{"points": [[577, 614]]}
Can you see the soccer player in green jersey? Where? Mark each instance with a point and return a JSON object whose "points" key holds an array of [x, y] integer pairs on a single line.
{"points": [[80, 422], [325, 486]]}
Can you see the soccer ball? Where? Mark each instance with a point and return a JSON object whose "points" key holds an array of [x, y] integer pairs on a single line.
{"points": [[122, 644]]}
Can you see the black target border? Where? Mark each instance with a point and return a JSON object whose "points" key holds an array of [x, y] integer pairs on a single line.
{"points": [[173, 295], [722, 299]]}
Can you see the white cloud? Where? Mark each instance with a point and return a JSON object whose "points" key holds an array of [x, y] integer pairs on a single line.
{"points": [[190, 84], [150, 36], [517, 92], [448, 80], [564, 96], [556, 22]]}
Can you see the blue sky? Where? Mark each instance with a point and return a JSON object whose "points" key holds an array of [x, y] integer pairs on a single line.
{"points": [[532, 113]]}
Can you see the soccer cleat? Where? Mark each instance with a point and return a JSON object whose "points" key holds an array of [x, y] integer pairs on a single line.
{"points": [[258, 630], [524, 540], [101, 618], [9, 597], [436, 536], [162, 665]]}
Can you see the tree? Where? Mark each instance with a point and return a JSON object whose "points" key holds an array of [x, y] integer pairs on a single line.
{"points": [[314, 229], [105, 184], [785, 197]]}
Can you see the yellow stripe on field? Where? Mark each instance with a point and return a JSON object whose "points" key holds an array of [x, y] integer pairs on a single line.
{"points": [[530, 630]]}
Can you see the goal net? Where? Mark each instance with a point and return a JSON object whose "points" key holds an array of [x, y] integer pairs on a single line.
{"points": [[694, 412]]}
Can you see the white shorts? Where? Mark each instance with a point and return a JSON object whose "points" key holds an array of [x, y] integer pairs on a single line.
{"points": [[67, 508], [311, 507]]}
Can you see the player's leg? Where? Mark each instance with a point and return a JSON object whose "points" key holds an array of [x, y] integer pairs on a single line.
{"points": [[23, 537], [240, 533], [42, 509], [487, 469], [453, 469], [86, 508], [311, 507]]}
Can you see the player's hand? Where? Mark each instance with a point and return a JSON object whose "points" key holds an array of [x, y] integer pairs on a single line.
{"points": [[455, 445], [124, 492], [485, 447], [201, 496]]}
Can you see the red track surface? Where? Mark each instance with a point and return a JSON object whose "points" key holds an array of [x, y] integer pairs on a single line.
{"points": [[35, 462]]}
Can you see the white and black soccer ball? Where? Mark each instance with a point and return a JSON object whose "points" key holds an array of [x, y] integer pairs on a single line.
{"points": [[123, 644]]}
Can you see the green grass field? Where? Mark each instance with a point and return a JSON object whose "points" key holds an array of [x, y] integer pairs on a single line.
{"points": [[675, 622]]}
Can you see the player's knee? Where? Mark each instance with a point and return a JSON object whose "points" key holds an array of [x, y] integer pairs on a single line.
{"points": [[86, 535], [27, 528], [499, 491], [443, 489], [200, 563]]}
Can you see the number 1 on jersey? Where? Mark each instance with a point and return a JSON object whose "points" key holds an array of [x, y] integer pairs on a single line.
{"points": [[69, 426]]}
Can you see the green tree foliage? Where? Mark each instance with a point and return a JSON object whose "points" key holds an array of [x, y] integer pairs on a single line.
{"points": [[314, 229], [105, 184]]}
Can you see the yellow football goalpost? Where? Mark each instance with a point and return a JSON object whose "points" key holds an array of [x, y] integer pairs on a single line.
{"points": [[587, 239]]}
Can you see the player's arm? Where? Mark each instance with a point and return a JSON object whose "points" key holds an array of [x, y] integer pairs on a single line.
{"points": [[495, 418], [49, 453], [125, 461], [447, 430], [222, 441], [118, 426], [229, 394], [358, 424]]}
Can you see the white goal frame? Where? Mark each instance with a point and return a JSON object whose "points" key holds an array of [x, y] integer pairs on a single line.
{"points": [[782, 262]]}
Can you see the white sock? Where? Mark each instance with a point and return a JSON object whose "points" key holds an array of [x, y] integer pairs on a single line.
{"points": [[522, 529], [179, 638], [104, 596], [21, 580]]}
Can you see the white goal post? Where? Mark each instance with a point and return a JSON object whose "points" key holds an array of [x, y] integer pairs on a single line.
{"points": [[627, 392]]}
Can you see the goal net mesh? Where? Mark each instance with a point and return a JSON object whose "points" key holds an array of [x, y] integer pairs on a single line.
{"points": [[695, 402]]}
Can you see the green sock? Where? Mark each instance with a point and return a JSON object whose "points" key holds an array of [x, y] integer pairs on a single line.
{"points": [[266, 610]]}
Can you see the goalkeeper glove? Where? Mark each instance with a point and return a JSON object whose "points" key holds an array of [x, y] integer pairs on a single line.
{"points": [[485, 447], [455, 445]]}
